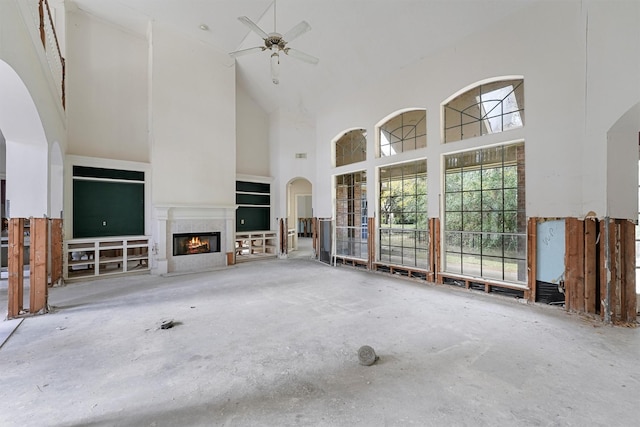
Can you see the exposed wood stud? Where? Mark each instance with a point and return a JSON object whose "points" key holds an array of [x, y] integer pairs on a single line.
{"points": [[38, 256], [57, 258], [590, 268], [574, 264], [371, 250], [630, 297], [532, 236], [603, 271], [15, 291], [437, 254]]}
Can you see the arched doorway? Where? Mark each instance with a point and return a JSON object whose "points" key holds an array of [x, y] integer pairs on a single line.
{"points": [[25, 156], [27, 150], [299, 218]]}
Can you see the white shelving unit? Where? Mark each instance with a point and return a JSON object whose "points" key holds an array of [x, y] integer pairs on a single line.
{"points": [[251, 245], [86, 258]]}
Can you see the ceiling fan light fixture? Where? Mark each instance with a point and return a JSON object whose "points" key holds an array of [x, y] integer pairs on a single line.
{"points": [[276, 43], [275, 71]]}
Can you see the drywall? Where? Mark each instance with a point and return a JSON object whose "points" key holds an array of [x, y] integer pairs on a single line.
{"points": [[519, 46], [290, 133], [252, 136], [27, 180], [612, 121], [107, 102], [21, 49], [552, 60], [193, 129], [26, 148]]}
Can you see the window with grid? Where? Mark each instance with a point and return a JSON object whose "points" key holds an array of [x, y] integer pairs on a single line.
{"points": [[404, 132], [351, 147], [488, 108], [351, 215], [404, 226], [484, 213]]}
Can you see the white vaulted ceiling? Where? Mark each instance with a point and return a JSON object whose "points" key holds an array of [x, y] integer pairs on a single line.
{"points": [[358, 42]]}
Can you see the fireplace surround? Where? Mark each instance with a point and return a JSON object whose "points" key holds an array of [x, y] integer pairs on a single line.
{"points": [[197, 220], [196, 243]]}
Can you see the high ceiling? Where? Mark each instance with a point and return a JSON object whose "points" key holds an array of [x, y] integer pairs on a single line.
{"points": [[358, 42]]}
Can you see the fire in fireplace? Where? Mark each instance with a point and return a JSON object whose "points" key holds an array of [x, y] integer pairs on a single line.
{"points": [[196, 243]]}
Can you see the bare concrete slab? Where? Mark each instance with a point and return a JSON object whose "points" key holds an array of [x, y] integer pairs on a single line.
{"points": [[7, 327], [274, 343]]}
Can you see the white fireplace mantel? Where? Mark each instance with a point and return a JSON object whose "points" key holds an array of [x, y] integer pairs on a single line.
{"points": [[170, 219]]}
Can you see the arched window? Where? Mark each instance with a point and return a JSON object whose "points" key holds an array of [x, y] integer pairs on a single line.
{"points": [[351, 147], [485, 109], [404, 132]]}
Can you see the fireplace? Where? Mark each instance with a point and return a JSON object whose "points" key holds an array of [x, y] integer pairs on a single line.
{"points": [[196, 243]]}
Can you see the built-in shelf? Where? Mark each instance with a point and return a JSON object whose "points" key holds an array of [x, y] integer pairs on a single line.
{"points": [[251, 245], [86, 258]]}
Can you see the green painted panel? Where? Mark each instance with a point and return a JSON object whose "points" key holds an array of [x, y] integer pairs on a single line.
{"points": [[253, 187], [253, 199], [102, 209], [252, 219]]}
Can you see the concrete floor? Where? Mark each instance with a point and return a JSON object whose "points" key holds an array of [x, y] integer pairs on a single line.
{"points": [[274, 343]]}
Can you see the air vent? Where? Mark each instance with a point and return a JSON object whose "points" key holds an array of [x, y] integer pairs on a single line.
{"points": [[301, 155]]}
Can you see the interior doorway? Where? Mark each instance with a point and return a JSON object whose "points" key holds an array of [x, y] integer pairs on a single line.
{"points": [[299, 218]]}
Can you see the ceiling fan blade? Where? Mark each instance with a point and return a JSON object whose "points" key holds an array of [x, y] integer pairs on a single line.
{"points": [[301, 55], [249, 23], [296, 31], [242, 52]]}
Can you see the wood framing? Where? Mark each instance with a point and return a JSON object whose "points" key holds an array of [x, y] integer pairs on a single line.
{"points": [[433, 249], [574, 264], [38, 256], [532, 260], [437, 246], [371, 242], [15, 291], [629, 297], [590, 265], [592, 278], [57, 250]]}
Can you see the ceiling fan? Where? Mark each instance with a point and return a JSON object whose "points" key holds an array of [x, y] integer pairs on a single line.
{"points": [[276, 43]]}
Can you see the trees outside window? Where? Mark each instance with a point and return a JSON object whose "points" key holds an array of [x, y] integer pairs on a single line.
{"points": [[404, 229], [484, 213]]}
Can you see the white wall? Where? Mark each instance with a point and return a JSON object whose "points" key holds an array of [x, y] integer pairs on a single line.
{"points": [[107, 101], [290, 133], [612, 123], [26, 183], [193, 149], [552, 60], [26, 125], [252, 136]]}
